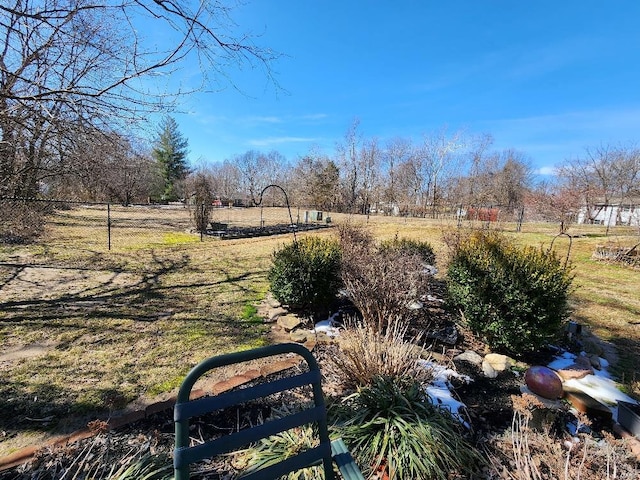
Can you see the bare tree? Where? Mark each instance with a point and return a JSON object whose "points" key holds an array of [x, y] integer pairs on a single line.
{"points": [[347, 160], [511, 180], [554, 202], [66, 64], [398, 151], [437, 159], [370, 163], [603, 174], [226, 180], [359, 162]]}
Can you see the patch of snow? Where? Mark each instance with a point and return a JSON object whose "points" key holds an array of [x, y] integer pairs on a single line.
{"points": [[430, 270], [598, 385], [563, 361], [431, 298], [439, 389], [329, 326]]}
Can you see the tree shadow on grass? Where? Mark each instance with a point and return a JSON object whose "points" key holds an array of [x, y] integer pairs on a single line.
{"points": [[98, 316]]}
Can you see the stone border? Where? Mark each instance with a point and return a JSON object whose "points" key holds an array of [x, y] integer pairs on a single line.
{"points": [[27, 453]]}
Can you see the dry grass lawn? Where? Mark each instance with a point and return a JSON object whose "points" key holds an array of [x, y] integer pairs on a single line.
{"points": [[84, 329]]}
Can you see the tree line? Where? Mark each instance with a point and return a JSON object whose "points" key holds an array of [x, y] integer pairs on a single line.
{"points": [[76, 80]]}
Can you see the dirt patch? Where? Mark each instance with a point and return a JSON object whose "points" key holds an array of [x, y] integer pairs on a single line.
{"points": [[37, 283], [26, 351]]}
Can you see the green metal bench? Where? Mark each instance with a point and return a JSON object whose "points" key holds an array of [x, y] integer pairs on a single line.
{"points": [[325, 453]]}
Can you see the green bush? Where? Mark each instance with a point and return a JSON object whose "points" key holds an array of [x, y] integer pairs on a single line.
{"points": [[408, 246], [306, 274], [515, 298], [391, 422]]}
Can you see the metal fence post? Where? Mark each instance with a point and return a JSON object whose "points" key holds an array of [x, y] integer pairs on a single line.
{"points": [[203, 224], [109, 225]]}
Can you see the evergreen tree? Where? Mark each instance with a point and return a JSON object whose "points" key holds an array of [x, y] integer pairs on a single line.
{"points": [[170, 151]]}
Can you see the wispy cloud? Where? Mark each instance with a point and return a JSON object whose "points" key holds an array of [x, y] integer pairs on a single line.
{"points": [[314, 116], [263, 119], [546, 171], [514, 63], [270, 141], [551, 139]]}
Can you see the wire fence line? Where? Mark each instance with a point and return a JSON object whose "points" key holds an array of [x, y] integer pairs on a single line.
{"points": [[114, 225]]}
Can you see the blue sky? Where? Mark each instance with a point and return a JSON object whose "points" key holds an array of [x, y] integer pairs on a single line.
{"points": [[547, 78]]}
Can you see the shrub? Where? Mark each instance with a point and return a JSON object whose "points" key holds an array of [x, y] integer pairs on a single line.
{"points": [[408, 246], [23, 221], [515, 298], [203, 200], [392, 423], [365, 353], [381, 282], [306, 274]]}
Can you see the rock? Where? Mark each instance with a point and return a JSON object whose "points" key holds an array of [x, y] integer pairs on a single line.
{"points": [[289, 322], [499, 362], [582, 362], [263, 312], [544, 382], [271, 301], [299, 336], [322, 338], [595, 362], [574, 371], [438, 357], [415, 305], [593, 347], [274, 313], [488, 370], [469, 356]]}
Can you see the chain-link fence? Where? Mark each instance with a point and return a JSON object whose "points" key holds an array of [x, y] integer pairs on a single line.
{"points": [[116, 226]]}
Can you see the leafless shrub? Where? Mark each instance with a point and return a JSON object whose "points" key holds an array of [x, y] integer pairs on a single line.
{"points": [[380, 282], [22, 222], [365, 353], [523, 453]]}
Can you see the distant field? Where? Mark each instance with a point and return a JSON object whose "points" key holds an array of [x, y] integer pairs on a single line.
{"points": [[86, 329]]}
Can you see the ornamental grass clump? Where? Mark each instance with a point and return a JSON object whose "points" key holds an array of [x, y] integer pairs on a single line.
{"points": [[515, 298], [390, 424], [365, 353]]}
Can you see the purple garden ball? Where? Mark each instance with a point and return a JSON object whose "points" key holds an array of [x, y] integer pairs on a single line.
{"points": [[544, 382]]}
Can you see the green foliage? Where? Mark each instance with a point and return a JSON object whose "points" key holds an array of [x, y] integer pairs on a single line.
{"points": [[306, 274], [391, 422], [408, 246], [516, 298], [250, 314], [279, 447], [147, 467], [170, 151]]}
